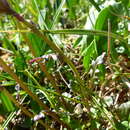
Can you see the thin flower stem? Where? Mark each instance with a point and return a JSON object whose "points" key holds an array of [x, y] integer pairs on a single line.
{"points": [[44, 69], [55, 48], [34, 97], [26, 112], [71, 32], [95, 5], [109, 41], [52, 80]]}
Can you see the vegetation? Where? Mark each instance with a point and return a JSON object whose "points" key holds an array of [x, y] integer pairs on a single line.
{"points": [[64, 64]]}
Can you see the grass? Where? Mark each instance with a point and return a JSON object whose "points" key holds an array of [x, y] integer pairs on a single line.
{"points": [[55, 74]]}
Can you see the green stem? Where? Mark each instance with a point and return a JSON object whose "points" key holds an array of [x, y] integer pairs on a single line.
{"points": [[53, 46], [34, 97], [104, 111], [25, 110], [95, 5], [20, 82], [37, 83], [44, 69], [73, 32], [85, 32]]}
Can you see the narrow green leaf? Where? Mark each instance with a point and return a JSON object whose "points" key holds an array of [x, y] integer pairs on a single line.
{"points": [[57, 14], [89, 53], [6, 102], [37, 44]]}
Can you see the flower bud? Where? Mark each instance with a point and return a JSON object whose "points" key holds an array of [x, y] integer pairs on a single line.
{"points": [[5, 7]]}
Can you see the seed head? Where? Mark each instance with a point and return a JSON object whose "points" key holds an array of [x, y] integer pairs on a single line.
{"points": [[5, 7]]}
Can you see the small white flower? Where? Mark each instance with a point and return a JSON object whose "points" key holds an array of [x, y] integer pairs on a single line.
{"points": [[39, 116], [78, 109], [67, 94]]}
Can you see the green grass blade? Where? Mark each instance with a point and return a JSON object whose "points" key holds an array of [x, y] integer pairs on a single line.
{"points": [[6, 102], [86, 32], [57, 14]]}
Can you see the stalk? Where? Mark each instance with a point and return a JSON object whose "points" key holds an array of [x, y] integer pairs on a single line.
{"points": [[34, 97], [52, 45], [95, 5], [73, 32], [26, 112]]}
